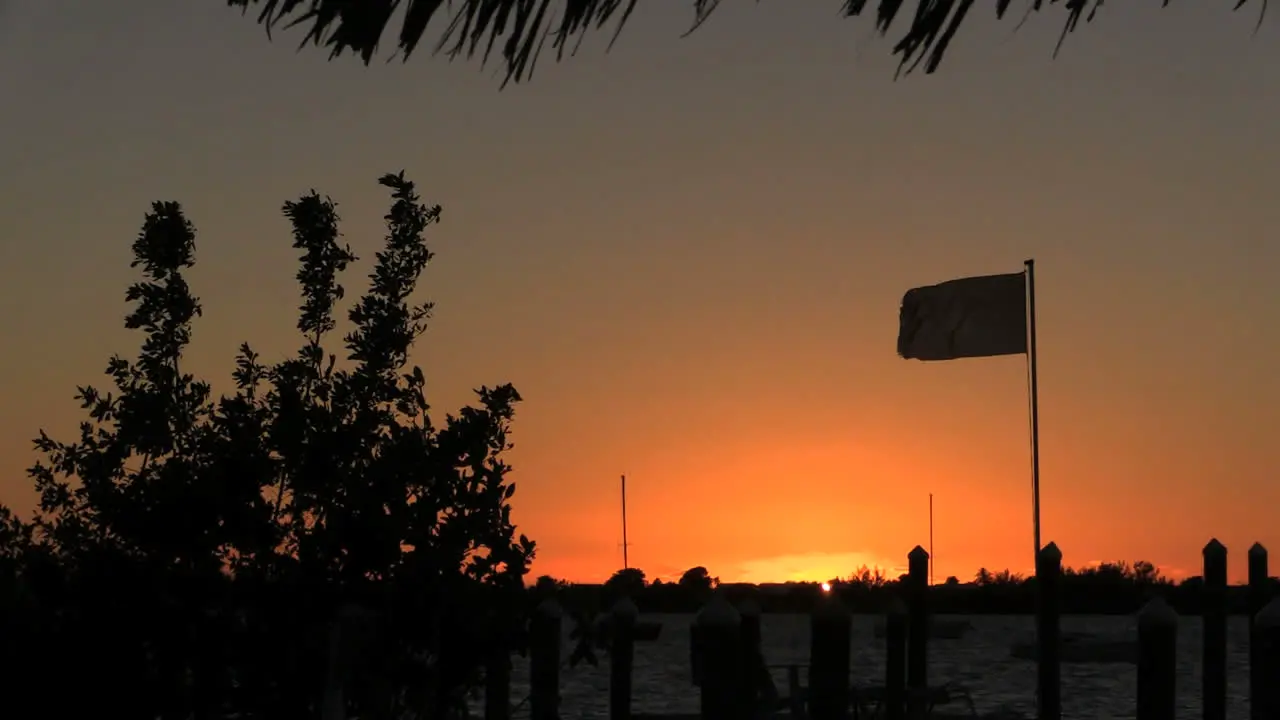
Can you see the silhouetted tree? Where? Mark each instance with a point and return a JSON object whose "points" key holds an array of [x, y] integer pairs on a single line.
{"points": [[189, 554], [868, 577], [1145, 573], [547, 582], [519, 28], [1006, 577], [697, 580], [628, 581]]}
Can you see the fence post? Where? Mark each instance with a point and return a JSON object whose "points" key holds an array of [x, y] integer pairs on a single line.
{"points": [[1257, 600], [917, 628], [333, 704], [830, 625], [1157, 661], [1049, 632], [696, 654], [719, 636], [895, 658], [1213, 610], [749, 613], [621, 657], [497, 683], [544, 660], [348, 641], [1257, 580], [754, 671], [1265, 636]]}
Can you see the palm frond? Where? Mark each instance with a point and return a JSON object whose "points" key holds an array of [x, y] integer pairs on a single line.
{"points": [[521, 28]]}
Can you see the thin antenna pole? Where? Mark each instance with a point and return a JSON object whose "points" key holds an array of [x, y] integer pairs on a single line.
{"points": [[931, 558], [625, 564], [1035, 404]]}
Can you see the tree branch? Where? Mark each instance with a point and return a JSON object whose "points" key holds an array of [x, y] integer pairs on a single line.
{"points": [[522, 27]]}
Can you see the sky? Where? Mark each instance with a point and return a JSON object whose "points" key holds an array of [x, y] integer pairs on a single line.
{"points": [[688, 256]]}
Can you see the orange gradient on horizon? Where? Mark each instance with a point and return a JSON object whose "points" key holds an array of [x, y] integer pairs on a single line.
{"points": [[821, 509]]}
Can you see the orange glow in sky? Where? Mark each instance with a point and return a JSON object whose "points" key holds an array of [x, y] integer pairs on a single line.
{"points": [[688, 256]]}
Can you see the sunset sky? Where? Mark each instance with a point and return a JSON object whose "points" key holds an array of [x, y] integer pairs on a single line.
{"points": [[688, 256]]}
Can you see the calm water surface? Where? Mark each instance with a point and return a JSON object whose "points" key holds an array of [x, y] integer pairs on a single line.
{"points": [[980, 661]]}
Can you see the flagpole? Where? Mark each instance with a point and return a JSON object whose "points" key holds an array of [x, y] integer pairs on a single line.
{"points": [[625, 565], [931, 558], [1035, 402]]}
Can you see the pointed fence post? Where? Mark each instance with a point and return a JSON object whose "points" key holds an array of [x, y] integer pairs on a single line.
{"points": [[497, 684], [333, 704], [1049, 631], [1157, 661], [755, 673], [719, 636], [544, 660], [1265, 637], [749, 612], [1214, 614], [895, 658], [347, 643], [917, 627], [830, 626], [1258, 592], [696, 654], [622, 657]]}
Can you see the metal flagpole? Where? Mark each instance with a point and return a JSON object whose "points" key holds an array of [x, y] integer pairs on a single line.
{"points": [[625, 565], [931, 559], [1035, 402]]}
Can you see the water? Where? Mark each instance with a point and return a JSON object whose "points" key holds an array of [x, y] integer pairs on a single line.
{"points": [[980, 662]]}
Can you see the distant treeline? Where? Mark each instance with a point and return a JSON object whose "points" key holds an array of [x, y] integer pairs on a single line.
{"points": [[1106, 589]]}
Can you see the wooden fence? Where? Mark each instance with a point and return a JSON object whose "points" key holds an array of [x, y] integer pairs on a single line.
{"points": [[727, 663]]}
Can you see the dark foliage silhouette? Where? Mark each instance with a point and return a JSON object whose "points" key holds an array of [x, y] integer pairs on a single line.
{"points": [[1108, 588], [520, 29], [193, 556], [696, 580], [628, 582]]}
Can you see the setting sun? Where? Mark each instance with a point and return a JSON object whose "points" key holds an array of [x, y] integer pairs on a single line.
{"points": [[826, 587]]}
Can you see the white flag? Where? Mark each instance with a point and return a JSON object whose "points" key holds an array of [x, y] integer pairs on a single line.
{"points": [[968, 317]]}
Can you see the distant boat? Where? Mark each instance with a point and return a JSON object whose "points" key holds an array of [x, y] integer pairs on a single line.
{"points": [[939, 628], [1083, 648]]}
